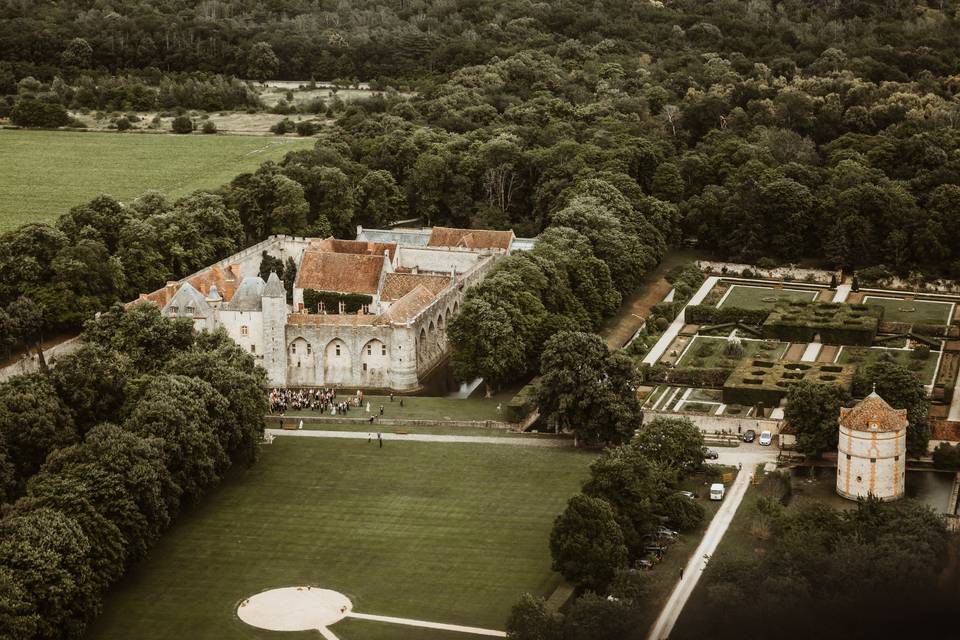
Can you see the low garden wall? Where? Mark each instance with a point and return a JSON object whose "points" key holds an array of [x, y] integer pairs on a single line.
{"points": [[718, 424]]}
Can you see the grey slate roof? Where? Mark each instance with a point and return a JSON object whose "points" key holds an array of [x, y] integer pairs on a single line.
{"points": [[274, 288], [409, 238], [188, 302], [249, 295]]}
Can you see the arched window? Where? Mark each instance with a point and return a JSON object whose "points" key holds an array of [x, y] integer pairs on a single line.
{"points": [[309, 348], [337, 348]]}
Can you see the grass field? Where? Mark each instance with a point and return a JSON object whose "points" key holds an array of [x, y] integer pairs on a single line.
{"points": [[429, 408], [47, 172], [925, 369], [914, 311], [745, 297], [440, 532]]}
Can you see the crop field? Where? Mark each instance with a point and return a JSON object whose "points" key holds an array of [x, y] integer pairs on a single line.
{"points": [[448, 533], [47, 172]]}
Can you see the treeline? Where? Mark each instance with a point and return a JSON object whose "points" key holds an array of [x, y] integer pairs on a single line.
{"points": [[55, 277], [596, 251], [28, 102], [607, 534], [98, 455], [890, 40]]}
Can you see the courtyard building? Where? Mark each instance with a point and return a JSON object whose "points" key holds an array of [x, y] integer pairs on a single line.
{"points": [[871, 457], [368, 313]]}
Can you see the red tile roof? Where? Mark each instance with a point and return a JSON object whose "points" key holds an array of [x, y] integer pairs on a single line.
{"points": [[397, 285], [873, 414], [406, 308], [948, 430], [340, 272], [357, 247], [470, 238]]}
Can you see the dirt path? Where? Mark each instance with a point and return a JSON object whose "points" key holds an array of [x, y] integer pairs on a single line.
{"points": [[621, 327]]}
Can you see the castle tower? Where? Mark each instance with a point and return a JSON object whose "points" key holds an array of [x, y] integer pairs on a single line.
{"points": [[871, 456], [275, 331]]}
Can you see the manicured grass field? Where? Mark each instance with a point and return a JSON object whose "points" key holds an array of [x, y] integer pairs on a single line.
{"points": [[746, 297], [440, 532], [707, 352], [926, 369], [913, 311], [429, 408], [47, 172]]}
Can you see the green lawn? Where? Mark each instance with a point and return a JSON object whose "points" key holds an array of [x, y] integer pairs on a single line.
{"points": [[440, 532], [747, 297], [429, 408], [913, 311], [47, 172], [926, 369], [707, 352]]}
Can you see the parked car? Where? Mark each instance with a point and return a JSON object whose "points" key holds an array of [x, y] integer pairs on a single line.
{"points": [[716, 491], [766, 438], [688, 494], [667, 533], [749, 435], [710, 454]]}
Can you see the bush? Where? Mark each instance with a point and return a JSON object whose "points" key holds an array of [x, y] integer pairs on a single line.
{"points": [[703, 314], [734, 348], [873, 275], [522, 404], [682, 513], [767, 263], [208, 127], [283, 127], [123, 124], [706, 349], [921, 352], [307, 128], [30, 112], [182, 124], [661, 323], [946, 456]]}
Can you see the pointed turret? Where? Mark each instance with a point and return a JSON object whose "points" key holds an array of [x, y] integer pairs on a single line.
{"points": [[274, 287]]}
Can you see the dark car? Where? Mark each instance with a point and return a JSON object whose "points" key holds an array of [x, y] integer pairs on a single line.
{"points": [[710, 454], [749, 435]]}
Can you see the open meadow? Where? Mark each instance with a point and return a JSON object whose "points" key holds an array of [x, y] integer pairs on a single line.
{"points": [[450, 533], [47, 172]]}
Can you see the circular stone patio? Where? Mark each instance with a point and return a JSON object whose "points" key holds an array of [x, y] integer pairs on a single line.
{"points": [[294, 609]]}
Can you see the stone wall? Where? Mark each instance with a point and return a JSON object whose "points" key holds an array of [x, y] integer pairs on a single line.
{"points": [[718, 424]]}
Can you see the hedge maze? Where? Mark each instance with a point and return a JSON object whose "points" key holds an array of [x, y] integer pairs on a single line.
{"points": [[831, 322], [768, 381]]}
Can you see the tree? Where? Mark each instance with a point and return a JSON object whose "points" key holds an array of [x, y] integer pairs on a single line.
{"points": [[33, 422], [484, 345], [146, 338], [380, 201], [674, 442], [681, 512], [91, 383], [592, 617], [901, 389], [77, 54], [31, 112], [289, 277], [586, 389], [530, 620], [586, 544], [28, 320], [813, 410], [262, 62]]}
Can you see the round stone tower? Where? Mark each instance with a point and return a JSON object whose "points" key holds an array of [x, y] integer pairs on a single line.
{"points": [[871, 456]]}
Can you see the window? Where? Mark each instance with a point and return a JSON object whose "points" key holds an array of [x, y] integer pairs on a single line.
{"points": [[848, 456], [369, 350], [338, 351], [364, 366], [896, 458], [342, 308], [244, 330], [298, 363], [309, 348], [253, 348], [873, 460], [366, 308], [383, 350], [293, 348], [174, 310]]}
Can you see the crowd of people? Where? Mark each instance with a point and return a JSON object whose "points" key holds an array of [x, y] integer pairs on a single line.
{"points": [[323, 400]]}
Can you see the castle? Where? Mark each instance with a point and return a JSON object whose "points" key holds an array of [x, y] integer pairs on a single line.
{"points": [[369, 313], [872, 452]]}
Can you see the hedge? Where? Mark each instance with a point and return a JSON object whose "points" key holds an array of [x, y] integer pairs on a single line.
{"points": [[705, 314], [331, 300], [524, 403], [694, 377]]}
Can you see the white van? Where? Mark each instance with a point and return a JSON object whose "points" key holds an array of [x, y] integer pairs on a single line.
{"points": [[716, 491]]}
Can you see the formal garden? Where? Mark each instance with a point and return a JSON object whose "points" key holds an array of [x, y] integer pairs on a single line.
{"points": [[748, 342]]}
